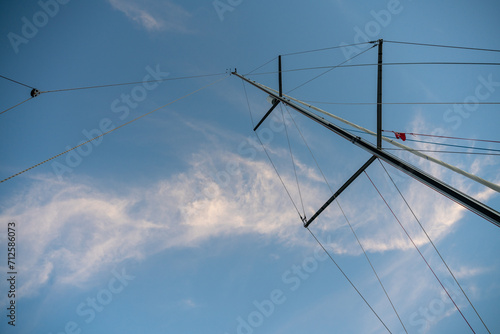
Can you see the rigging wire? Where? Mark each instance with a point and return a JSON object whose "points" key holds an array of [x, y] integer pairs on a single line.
{"points": [[386, 41], [374, 42], [15, 81], [248, 104], [293, 161], [371, 265], [442, 46], [452, 145], [131, 83], [432, 243], [384, 64], [114, 129], [19, 83], [437, 63], [16, 105], [393, 103], [347, 278], [347, 220], [324, 49], [269, 157], [258, 68], [310, 151], [418, 250], [439, 151], [331, 68], [447, 137], [303, 218], [433, 143], [103, 86]]}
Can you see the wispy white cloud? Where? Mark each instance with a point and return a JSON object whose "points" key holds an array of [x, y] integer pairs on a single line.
{"points": [[155, 15], [72, 230], [469, 272], [188, 304]]}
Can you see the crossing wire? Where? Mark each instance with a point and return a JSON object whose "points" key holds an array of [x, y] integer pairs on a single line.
{"points": [[371, 265], [418, 250], [331, 68], [348, 222], [268, 156], [310, 151], [432, 243], [324, 49], [347, 278], [258, 68], [414, 63], [114, 129], [293, 160], [303, 218]]}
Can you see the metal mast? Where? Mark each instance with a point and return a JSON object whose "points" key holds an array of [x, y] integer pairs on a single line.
{"points": [[379, 94], [465, 200]]}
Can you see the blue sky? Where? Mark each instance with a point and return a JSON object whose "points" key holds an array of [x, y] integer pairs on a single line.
{"points": [[177, 222]]}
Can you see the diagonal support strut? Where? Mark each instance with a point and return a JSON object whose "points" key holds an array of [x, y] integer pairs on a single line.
{"points": [[341, 189], [275, 104]]}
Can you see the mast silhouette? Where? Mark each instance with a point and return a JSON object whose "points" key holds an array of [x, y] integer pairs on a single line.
{"points": [[445, 189]]}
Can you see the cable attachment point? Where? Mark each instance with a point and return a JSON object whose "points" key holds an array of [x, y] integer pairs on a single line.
{"points": [[304, 220], [35, 92]]}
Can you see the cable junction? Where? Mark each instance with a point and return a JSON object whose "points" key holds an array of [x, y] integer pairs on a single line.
{"points": [[35, 92], [112, 130]]}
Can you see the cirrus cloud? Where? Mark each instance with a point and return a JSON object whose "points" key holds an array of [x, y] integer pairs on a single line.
{"points": [[155, 15]]}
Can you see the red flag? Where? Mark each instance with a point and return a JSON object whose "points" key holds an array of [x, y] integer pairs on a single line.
{"points": [[400, 135]]}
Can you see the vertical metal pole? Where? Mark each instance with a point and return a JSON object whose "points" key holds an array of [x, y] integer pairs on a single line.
{"points": [[280, 78], [379, 95]]}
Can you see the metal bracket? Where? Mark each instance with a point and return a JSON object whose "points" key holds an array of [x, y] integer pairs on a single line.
{"points": [[34, 92]]}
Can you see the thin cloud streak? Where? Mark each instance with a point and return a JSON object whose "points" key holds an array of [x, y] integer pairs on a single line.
{"points": [[155, 15]]}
